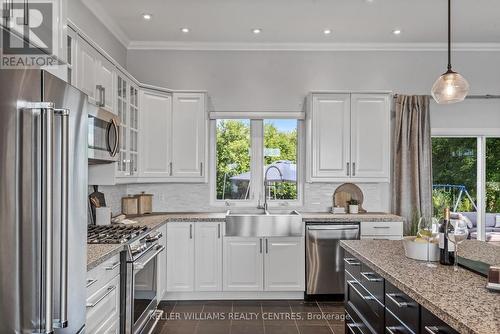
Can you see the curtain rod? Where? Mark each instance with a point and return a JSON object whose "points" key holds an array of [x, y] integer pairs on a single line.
{"points": [[470, 97]]}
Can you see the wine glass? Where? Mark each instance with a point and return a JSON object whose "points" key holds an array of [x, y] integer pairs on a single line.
{"points": [[427, 230], [457, 235]]}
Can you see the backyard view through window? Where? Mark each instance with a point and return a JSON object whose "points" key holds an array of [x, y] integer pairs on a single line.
{"points": [[233, 159], [454, 174], [454, 168], [280, 158], [234, 163]]}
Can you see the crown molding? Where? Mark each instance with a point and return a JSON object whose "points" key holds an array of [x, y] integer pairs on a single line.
{"points": [[208, 46], [95, 7]]}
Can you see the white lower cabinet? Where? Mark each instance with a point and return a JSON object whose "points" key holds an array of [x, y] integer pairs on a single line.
{"points": [[194, 256], [243, 264], [284, 264], [264, 264], [382, 230], [208, 256], [103, 298], [180, 257]]}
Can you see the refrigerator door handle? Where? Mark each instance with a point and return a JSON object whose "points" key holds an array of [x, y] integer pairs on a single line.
{"points": [[46, 112], [62, 322], [47, 116]]}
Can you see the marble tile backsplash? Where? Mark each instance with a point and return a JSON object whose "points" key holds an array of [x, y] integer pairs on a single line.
{"points": [[182, 197]]}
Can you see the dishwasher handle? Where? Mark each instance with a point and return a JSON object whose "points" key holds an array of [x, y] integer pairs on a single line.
{"points": [[333, 227]]}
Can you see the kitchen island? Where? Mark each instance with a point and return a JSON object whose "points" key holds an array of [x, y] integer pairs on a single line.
{"points": [[459, 299]]}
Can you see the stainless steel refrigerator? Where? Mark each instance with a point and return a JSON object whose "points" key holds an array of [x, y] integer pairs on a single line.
{"points": [[43, 215]]}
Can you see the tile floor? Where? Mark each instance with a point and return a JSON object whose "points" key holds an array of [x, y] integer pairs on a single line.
{"points": [[251, 317]]}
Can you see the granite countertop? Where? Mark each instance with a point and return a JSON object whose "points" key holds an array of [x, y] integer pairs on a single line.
{"points": [[460, 299], [98, 253]]}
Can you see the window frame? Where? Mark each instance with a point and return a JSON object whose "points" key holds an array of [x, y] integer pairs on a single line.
{"points": [[481, 138], [256, 197]]}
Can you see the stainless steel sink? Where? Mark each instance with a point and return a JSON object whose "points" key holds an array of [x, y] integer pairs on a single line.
{"points": [[264, 223]]}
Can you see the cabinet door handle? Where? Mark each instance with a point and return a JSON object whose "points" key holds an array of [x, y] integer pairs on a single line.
{"points": [[431, 329], [382, 227], [91, 282], [260, 241], [348, 169], [352, 262], [201, 168], [373, 278], [351, 327], [390, 330], [113, 266], [190, 231], [218, 231], [392, 297], [108, 291], [170, 168], [351, 284], [353, 169], [267, 246]]}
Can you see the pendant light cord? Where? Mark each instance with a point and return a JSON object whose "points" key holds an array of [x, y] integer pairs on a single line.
{"points": [[449, 35]]}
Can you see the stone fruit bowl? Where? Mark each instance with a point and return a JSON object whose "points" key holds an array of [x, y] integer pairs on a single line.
{"points": [[416, 248]]}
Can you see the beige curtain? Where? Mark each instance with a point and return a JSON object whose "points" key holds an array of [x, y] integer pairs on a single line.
{"points": [[412, 179]]}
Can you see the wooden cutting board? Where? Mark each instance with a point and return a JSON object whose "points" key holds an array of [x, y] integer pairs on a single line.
{"points": [[345, 193]]}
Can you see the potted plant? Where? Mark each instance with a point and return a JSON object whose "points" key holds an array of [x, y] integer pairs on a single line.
{"points": [[353, 205]]}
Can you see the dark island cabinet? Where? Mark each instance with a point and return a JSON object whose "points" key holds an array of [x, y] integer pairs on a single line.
{"points": [[373, 305]]}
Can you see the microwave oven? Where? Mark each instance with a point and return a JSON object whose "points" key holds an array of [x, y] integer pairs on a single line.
{"points": [[103, 136]]}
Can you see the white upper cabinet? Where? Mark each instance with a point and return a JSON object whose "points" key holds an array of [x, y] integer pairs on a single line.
{"points": [[189, 125], [329, 123], [348, 138], [156, 117], [95, 76], [105, 74], [86, 70], [370, 135]]}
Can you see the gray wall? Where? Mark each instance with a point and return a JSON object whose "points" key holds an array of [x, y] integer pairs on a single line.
{"points": [[85, 20], [241, 80]]}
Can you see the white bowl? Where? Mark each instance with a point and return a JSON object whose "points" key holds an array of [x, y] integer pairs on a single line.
{"points": [[418, 251]]}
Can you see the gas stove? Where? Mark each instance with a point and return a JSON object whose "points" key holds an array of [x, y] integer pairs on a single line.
{"points": [[113, 234]]}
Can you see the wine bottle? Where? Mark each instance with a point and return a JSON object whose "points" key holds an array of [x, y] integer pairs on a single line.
{"points": [[446, 248]]}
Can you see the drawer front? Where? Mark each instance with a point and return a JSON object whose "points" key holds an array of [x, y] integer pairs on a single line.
{"points": [[381, 237], [370, 309], [372, 282], [402, 306], [381, 228], [430, 324], [352, 265], [394, 326], [102, 274], [353, 322], [103, 307]]}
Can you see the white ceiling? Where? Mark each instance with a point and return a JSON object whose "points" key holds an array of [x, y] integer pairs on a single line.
{"points": [[298, 21]]}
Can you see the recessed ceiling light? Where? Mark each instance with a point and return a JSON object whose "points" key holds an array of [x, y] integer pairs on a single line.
{"points": [[396, 31], [185, 30], [147, 16], [256, 31], [327, 31]]}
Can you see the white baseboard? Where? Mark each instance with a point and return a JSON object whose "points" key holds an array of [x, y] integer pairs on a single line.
{"points": [[233, 295]]}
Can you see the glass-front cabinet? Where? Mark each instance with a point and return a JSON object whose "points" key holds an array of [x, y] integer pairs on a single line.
{"points": [[128, 110]]}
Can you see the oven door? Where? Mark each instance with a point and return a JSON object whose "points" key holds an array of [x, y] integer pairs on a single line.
{"points": [[103, 136], [144, 288]]}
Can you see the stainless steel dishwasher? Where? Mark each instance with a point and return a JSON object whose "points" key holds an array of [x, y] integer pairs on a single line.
{"points": [[325, 257]]}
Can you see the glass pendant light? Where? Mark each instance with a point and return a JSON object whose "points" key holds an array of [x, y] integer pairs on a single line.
{"points": [[450, 87]]}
